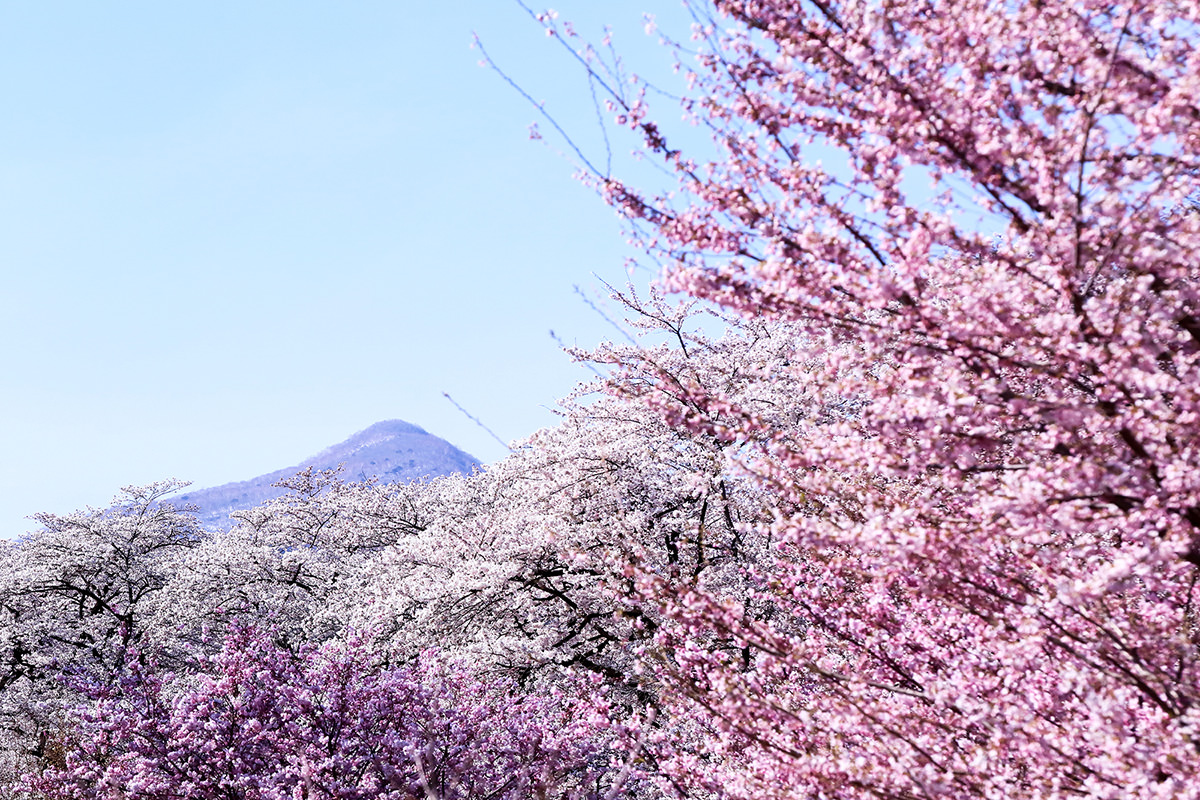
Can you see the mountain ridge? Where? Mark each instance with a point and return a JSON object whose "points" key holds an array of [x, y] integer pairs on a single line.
{"points": [[393, 451]]}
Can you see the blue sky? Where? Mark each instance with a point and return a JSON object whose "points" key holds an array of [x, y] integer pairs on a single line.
{"points": [[234, 233]]}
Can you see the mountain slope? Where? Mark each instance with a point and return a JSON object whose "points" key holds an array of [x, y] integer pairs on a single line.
{"points": [[393, 451]]}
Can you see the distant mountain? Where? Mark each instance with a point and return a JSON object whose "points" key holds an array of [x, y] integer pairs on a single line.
{"points": [[393, 451]]}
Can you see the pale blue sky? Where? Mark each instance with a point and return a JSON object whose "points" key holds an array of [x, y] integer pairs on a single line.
{"points": [[234, 233]]}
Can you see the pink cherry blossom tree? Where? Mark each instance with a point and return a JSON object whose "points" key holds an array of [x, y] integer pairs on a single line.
{"points": [[986, 507]]}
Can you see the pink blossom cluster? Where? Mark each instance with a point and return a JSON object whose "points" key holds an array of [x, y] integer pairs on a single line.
{"points": [[260, 721], [983, 566]]}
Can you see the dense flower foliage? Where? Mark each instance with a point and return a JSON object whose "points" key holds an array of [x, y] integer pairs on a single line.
{"points": [[261, 722], [923, 522], [516, 574], [985, 566]]}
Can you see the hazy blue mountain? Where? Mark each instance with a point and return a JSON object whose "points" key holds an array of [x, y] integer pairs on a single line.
{"points": [[393, 451]]}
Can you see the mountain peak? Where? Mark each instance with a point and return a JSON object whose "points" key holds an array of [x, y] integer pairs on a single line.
{"points": [[394, 451], [380, 432]]}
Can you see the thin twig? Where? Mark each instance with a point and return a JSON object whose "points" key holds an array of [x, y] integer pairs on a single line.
{"points": [[477, 421], [606, 318], [541, 107]]}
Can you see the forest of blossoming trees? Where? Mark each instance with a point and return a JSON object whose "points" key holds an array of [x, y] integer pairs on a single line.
{"points": [[924, 521]]}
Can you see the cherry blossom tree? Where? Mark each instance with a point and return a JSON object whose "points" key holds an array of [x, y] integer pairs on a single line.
{"points": [[511, 571], [75, 597], [259, 721], [986, 508]]}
